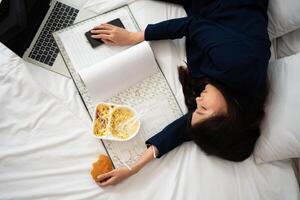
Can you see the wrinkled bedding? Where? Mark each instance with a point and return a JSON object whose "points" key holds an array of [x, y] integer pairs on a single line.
{"points": [[46, 148]]}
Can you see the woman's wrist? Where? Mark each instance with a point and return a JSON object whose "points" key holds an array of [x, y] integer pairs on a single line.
{"points": [[149, 155], [137, 37], [135, 168]]}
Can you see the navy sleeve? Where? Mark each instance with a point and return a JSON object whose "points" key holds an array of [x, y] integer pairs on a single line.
{"points": [[221, 44], [170, 29], [171, 136]]}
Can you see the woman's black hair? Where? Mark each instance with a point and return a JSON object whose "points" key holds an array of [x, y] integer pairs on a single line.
{"points": [[231, 136]]}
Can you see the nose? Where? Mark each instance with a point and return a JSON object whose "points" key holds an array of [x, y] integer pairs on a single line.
{"points": [[199, 99]]}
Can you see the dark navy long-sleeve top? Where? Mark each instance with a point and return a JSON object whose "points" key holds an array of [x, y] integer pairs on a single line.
{"points": [[226, 40]]}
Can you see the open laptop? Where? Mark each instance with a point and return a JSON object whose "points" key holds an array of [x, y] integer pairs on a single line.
{"points": [[43, 50]]}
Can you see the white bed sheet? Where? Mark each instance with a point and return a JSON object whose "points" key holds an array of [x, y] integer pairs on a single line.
{"points": [[46, 149]]}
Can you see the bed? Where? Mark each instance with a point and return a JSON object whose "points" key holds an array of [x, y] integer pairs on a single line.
{"points": [[46, 148]]}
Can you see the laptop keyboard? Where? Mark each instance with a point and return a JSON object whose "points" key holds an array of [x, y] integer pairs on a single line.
{"points": [[45, 49]]}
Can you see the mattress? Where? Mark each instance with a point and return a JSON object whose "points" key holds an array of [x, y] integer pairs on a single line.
{"points": [[46, 147]]}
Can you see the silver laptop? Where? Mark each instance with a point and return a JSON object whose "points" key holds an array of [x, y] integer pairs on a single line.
{"points": [[43, 50]]}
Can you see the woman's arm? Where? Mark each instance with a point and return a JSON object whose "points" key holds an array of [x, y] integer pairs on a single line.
{"points": [[170, 29], [170, 137], [117, 175]]}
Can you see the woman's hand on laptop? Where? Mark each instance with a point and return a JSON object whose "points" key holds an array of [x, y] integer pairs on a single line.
{"points": [[113, 35]]}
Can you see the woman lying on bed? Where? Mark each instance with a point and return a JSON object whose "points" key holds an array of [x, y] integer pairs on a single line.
{"points": [[227, 47]]}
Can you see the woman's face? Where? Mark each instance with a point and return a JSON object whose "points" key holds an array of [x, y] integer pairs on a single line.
{"points": [[210, 103]]}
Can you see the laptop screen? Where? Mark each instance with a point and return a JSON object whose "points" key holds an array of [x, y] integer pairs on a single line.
{"points": [[17, 32]]}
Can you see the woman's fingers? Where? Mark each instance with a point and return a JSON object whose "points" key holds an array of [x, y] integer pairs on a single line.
{"points": [[110, 181], [100, 31], [105, 176], [109, 42], [102, 36], [114, 35], [113, 177], [105, 179], [107, 26], [104, 27]]}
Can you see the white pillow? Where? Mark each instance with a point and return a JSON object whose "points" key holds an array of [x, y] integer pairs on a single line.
{"points": [[288, 44], [284, 17], [280, 137]]}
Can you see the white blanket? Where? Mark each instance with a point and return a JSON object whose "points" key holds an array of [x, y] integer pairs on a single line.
{"points": [[46, 149]]}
